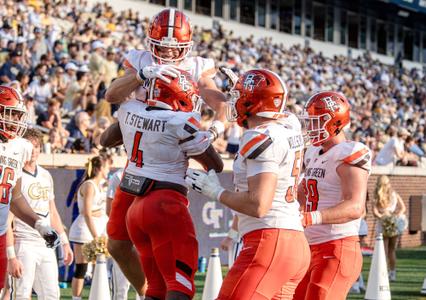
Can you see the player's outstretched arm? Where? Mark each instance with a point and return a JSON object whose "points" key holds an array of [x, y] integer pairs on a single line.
{"points": [[354, 192], [213, 97], [122, 87], [21, 209], [57, 224], [255, 202], [112, 136], [14, 265], [210, 160]]}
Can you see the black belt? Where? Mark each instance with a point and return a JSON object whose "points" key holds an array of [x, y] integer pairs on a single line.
{"points": [[165, 185]]}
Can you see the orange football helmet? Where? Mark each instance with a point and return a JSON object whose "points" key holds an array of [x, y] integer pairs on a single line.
{"points": [[170, 28], [326, 114], [181, 94], [13, 114], [257, 93]]}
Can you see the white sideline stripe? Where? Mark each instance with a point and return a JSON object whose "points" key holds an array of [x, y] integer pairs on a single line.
{"points": [[171, 23], [182, 280]]}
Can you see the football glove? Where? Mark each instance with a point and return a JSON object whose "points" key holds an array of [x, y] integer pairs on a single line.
{"points": [[157, 71], [48, 233], [205, 183]]}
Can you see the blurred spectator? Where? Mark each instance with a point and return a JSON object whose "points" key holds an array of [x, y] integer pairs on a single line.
{"points": [[102, 124], [56, 141], [80, 134], [38, 46], [97, 62], [12, 67], [52, 117], [111, 67], [393, 151], [41, 90]]}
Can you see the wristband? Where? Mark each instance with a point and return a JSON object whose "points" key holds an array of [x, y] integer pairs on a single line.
{"points": [[217, 128], [316, 217], [64, 239], [219, 194], [140, 76], [233, 234], [10, 252]]}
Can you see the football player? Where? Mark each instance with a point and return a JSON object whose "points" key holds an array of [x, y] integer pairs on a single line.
{"points": [[333, 192], [158, 220], [170, 43], [14, 152], [32, 264], [275, 254]]}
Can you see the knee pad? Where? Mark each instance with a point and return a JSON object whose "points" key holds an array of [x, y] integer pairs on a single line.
{"points": [[80, 271]]}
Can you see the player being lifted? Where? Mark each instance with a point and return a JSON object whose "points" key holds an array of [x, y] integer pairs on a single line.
{"points": [[158, 221], [275, 254], [14, 152], [170, 43], [333, 192]]}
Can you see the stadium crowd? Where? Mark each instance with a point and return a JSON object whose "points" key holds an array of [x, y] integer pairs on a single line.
{"points": [[63, 55]]}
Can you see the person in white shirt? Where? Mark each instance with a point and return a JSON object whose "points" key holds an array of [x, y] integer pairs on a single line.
{"points": [[393, 151], [35, 265]]}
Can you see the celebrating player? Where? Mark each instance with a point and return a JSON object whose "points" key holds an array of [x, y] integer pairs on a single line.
{"points": [[14, 152], [33, 265], [275, 255], [158, 221], [170, 42], [333, 192]]}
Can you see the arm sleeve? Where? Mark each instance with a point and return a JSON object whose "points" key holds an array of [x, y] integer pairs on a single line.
{"points": [[112, 185]]}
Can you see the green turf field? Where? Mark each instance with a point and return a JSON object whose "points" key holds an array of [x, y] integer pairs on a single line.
{"points": [[411, 270]]}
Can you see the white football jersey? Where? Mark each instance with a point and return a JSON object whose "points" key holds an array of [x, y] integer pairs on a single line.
{"points": [[151, 138], [196, 66], [323, 186], [38, 190], [275, 148], [13, 155]]}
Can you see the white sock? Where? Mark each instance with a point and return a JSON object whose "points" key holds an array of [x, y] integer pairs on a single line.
{"points": [[139, 297], [76, 298]]}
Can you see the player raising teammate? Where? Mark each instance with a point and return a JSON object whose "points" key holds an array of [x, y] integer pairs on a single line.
{"points": [[333, 192], [34, 265], [170, 42], [158, 221], [14, 152], [275, 254]]}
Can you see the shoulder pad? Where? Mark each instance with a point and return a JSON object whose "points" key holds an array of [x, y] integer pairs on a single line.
{"points": [[133, 59], [185, 125], [356, 154], [254, 143]]}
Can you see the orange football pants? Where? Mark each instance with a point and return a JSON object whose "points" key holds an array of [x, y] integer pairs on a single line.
{"points": [[270, 265], [117, 218], [335, 266], [161, 228]]}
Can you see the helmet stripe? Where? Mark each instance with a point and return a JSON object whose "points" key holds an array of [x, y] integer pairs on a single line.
{"points": [[171, 23]]}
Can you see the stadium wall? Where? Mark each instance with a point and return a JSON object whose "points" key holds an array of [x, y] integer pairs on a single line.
{"points": [[212, 220], [245, 31]]}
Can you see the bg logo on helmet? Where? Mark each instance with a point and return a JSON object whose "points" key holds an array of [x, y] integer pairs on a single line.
{"points": [[252, 80]]}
